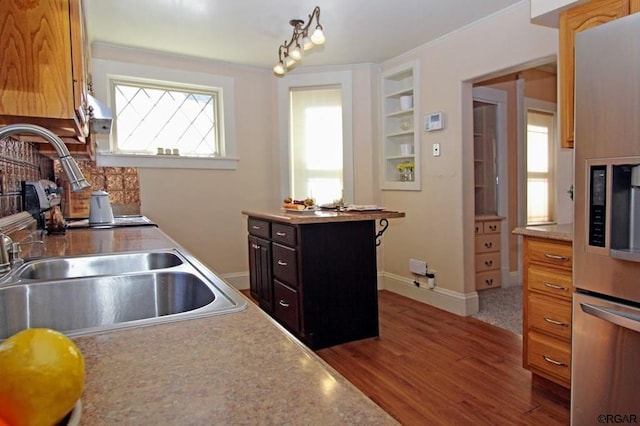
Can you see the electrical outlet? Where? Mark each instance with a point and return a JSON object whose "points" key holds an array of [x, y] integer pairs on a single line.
{"points": [[418, 267], [436, 150]]}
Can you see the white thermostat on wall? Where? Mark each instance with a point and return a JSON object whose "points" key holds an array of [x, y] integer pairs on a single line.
{"points": [[433, 121]]}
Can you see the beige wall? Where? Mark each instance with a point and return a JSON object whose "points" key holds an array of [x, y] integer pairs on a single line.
{"points": [[439, 227], [201, 208]]}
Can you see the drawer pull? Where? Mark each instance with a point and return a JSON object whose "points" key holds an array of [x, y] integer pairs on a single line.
{"points": [[488, 244], [281, 234], [255, 246], [281, 263], [554, 322], [556, 257], [555, 286], [283, 304], [492, 227], [553, 361], [256, 227], [488, 263], [489, 281]]}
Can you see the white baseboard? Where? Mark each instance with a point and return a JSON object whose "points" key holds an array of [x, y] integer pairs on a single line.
{"points": [[239, 280], [451, 301]]}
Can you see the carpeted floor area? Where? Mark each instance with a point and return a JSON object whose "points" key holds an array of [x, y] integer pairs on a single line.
{"points": [[502, 307]]}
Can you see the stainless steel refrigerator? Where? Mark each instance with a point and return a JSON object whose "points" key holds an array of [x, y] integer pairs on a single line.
{"points": [[605, 364]]}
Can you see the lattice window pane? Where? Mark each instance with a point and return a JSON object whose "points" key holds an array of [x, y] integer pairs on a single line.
{"points": [[149, 117]]}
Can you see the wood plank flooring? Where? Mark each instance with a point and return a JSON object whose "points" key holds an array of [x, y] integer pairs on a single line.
{"points": [[432, 367]]}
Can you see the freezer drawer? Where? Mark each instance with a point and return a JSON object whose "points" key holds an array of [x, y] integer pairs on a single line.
{"points": [[605, 369]]}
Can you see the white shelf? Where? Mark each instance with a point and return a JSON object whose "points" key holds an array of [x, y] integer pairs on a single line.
{"points": [[400, 129]]}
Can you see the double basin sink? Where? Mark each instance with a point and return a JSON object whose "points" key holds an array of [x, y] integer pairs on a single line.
{"points": [[97, 293]]}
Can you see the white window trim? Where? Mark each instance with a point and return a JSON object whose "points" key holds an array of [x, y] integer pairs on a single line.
{"points": [[104, 70], [549, 108], [340, 78]]}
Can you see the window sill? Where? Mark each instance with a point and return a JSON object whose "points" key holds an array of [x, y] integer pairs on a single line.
{"points": [[109, 159]]}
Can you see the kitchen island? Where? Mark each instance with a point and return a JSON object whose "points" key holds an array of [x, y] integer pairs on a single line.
{"points": [[238, 368], [315, 271]]}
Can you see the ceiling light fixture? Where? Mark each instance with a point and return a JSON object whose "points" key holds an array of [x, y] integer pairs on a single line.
{"points": [[291, 52]]}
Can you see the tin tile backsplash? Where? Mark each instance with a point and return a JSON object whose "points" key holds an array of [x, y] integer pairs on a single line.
{"points": [[20, 161]]}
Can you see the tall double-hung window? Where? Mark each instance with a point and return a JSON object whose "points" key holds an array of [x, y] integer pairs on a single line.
{"points": [[540, 166], [316, 159]]}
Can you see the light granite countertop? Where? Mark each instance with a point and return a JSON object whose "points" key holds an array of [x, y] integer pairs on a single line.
{"points": [[560, 232], [233, 369]]}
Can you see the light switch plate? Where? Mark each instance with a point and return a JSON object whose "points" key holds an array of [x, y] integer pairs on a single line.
{"points": [[436, 150]]}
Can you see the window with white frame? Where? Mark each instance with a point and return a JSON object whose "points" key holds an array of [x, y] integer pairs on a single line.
{"points": [[316, 136], [316, 144], [540, 166], [160, 117]]}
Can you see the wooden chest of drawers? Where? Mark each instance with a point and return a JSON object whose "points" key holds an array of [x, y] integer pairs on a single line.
{"points": [[488, 252], [547, 309]]}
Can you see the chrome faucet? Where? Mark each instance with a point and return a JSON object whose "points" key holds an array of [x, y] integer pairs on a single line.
{"points": [[10, 253], [69, 165]]}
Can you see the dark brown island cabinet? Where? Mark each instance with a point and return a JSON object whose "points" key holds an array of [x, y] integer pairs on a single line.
{"points": [[316, 274]]}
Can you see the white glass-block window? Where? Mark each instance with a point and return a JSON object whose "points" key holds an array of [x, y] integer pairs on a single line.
{"points": [[152, 116]]}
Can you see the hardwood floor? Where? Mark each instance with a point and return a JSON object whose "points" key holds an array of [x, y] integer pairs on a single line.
{"points": [[432, 367]]}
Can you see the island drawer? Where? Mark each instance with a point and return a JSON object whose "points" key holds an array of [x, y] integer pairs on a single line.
{"points": [[259, 228], [285, 308], [285, 234], [550, 315], [549, 281], [550, 253], [285, 264], [550, 356]]}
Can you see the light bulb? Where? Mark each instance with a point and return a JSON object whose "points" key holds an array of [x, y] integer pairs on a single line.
{"points": [[307, 43], [318, 36], [296, 53], [289, 61], [279, 69]]}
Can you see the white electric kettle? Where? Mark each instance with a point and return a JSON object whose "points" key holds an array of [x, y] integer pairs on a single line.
{"points": [[100, 211]]}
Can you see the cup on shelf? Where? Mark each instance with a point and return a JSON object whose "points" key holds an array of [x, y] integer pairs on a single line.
{"points": [[406, 149], [406, 102]]}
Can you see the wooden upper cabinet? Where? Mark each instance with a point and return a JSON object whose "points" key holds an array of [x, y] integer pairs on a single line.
{"points": [[572, 21], [43, 67]]}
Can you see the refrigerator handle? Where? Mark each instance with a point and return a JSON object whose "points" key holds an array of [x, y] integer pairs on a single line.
{"points": [[623, 319]]}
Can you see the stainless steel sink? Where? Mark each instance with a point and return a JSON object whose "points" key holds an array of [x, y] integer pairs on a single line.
{"points": [[84, 266], [168, 287]]}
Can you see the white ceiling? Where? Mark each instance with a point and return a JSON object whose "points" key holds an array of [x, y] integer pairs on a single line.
{"points": [[249, 32]]}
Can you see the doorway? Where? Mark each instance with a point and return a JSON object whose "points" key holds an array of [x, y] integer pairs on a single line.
{"points": [[502, 306]]}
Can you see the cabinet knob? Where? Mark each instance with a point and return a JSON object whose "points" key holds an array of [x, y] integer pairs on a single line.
{"points": [[256, 227], [493, 227], [255, 246], [489, 281], [281, 234], [488, 263], [281, 263], [488, 244], [283, 304]]}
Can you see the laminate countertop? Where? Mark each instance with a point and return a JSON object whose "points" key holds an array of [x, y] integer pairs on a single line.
{"points": [[561, 232], [238, 368]]}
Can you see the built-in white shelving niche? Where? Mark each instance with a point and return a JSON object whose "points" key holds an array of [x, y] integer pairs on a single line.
{"points": [[400, 128]]}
